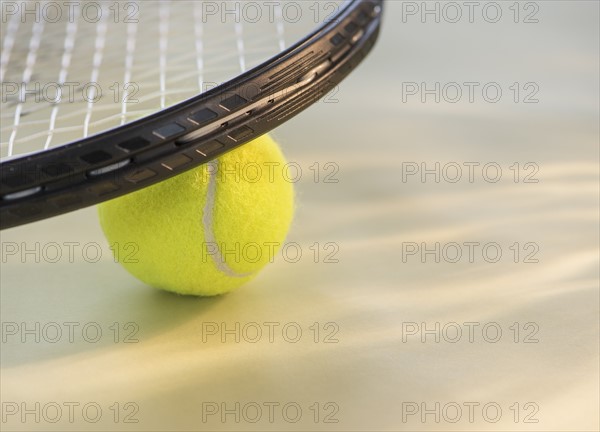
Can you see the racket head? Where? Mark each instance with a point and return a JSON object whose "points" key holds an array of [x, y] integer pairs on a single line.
{"points": [[175, 101]]}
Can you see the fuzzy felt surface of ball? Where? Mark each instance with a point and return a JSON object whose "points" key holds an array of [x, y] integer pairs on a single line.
{"points": [[209, 230]]}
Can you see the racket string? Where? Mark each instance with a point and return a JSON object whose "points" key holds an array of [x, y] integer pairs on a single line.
{"points": [[100, 43], [199, 45], [163, 30], [239, 33], [130, 51], [280, 26], [69, 45]]}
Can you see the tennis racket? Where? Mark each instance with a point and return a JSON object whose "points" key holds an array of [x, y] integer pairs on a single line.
{"points": [[100, 99]]}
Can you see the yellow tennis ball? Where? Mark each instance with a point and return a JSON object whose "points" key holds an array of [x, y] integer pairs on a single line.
{"points": [[208, 230]]}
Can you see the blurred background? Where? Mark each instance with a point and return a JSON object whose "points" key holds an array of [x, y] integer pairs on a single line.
{"points": [[447, 214]]}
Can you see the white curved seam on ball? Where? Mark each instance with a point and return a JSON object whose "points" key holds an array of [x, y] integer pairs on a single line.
{"points": [[207, 220]]}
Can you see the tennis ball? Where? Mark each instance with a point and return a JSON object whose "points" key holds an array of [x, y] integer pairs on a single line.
{"points": [[208, 230]]}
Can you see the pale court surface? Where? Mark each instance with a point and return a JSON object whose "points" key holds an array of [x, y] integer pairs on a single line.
{"points": [[374, 303]]}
